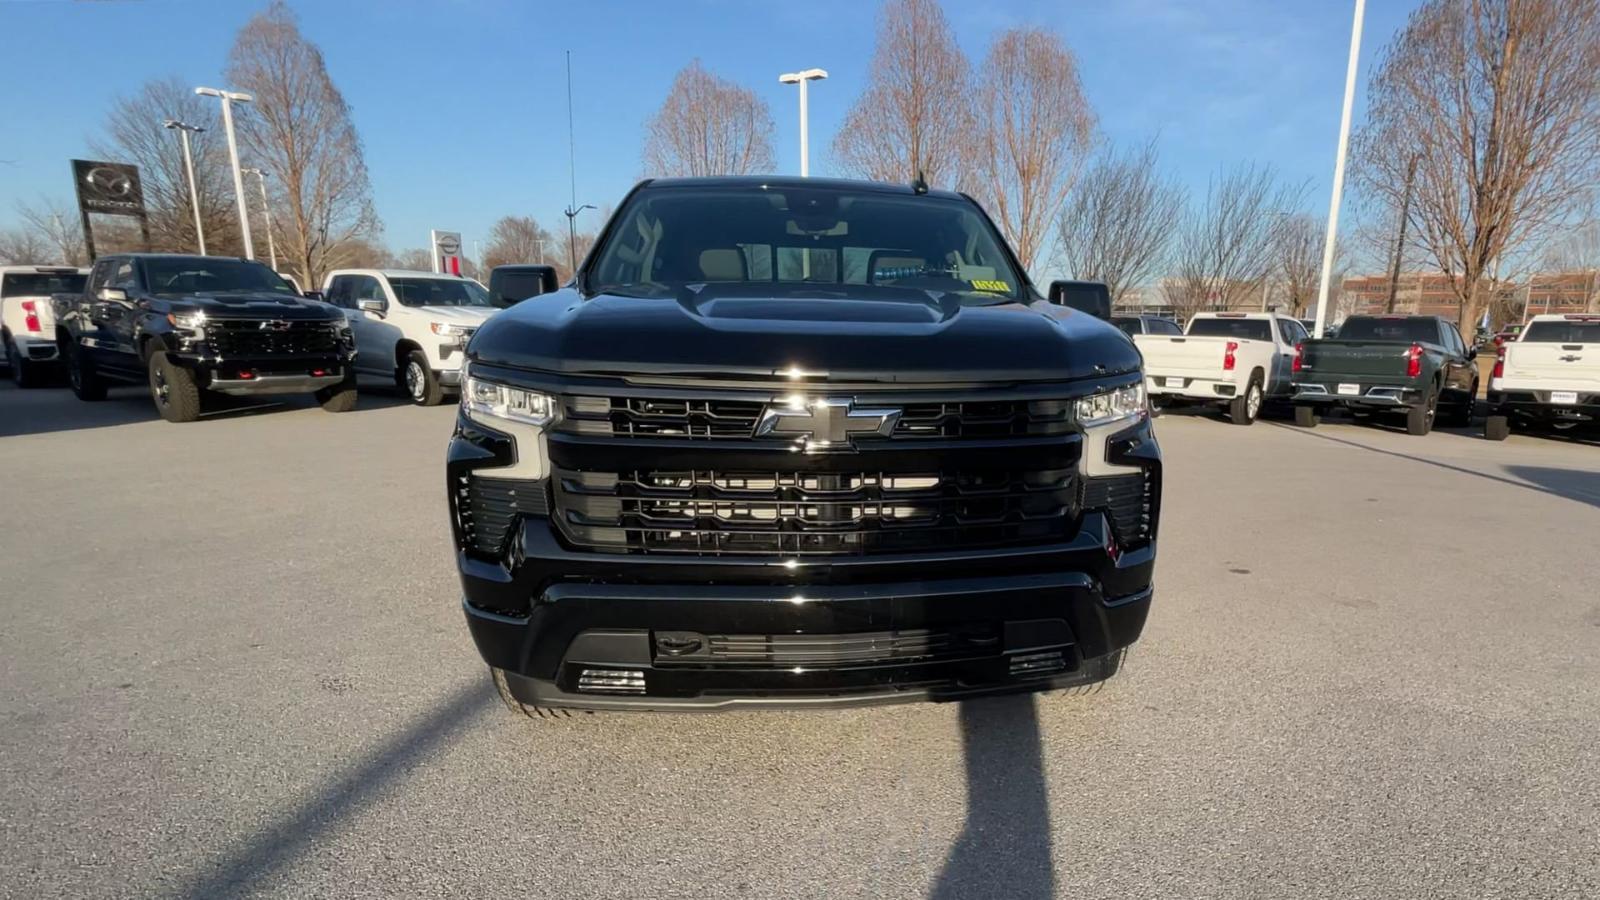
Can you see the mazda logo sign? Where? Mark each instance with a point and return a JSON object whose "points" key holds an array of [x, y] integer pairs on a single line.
{"points": [[112, 183]]}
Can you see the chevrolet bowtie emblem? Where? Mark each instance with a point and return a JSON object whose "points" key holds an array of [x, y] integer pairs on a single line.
{"points": [[824, 423]]}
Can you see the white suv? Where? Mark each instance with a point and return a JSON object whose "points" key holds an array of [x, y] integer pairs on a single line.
{"points": [[27, 320], [411, 326]]}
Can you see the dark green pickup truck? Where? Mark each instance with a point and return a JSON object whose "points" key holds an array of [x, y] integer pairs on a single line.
{"points": [[1412, 366]]}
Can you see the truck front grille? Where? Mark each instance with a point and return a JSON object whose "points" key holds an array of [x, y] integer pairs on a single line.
{"points": [[709, 512], [270, 337], [782, 651], [721, 419]]}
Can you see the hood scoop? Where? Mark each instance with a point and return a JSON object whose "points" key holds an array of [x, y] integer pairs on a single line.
{"points": [[931, 310]]}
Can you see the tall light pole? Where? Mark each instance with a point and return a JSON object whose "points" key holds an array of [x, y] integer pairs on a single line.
{"points": [[801, 78], [183, 129], [572, 234], [266, 210], [1338, 170], [228, 99]]}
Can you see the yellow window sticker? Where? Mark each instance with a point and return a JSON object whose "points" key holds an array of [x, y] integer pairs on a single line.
{"points": [[989, 285]]}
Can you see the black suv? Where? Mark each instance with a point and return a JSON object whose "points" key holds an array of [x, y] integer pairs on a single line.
{"points": [[190, 324], [800, 442]]}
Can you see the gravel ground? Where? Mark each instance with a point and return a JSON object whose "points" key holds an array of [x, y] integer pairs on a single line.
{"points": [[234, 665]]}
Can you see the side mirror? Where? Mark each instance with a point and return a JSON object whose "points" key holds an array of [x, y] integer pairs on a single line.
{"points": [[312, 295], [376, 307], [510, 285], [113, 295], [1472, 353], [1091, 297]]}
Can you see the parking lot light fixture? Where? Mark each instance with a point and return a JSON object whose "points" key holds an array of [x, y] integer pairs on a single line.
{"points": [[183, 129], [229, 98], [266, 212], [801, 78]]}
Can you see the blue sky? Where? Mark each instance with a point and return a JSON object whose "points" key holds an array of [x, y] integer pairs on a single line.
{"points": [[462, 103]]}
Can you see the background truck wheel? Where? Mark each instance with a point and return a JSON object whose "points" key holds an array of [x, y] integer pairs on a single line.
{"points": [[25, 372], [1243, 409], [1461, 416], [1419, 418], [340, 397], [419, 382], [532, 712], [1496, 428], [1306, 416], [86, 384], [173, 388]]}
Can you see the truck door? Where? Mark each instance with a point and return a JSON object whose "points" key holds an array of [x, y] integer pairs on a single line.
{"points": [[119, 319], [1290, 334], [1458, 369]]}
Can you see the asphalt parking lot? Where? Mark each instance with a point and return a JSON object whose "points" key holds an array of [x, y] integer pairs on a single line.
{"points": [[234, 664]]}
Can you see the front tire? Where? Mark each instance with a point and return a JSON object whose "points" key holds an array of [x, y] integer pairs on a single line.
{"points": [[85, 381], [1306, 416], [419, 382], [340, 397], [173, 389], [532, 712], [1496, 428], [1243, 409]]}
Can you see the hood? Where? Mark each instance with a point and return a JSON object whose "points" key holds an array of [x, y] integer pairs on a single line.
{"points": [[870, 334], [460, 315], [263, 305]]}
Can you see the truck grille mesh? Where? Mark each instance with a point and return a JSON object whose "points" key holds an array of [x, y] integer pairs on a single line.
{"points": [[1127, 500], [719, 419], [248, 338], [710, 512], [488, 508], [782, 651]]}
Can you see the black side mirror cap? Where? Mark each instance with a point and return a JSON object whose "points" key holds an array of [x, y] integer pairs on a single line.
{"points": [[312, 295], [1092, 297], [500, 275]]}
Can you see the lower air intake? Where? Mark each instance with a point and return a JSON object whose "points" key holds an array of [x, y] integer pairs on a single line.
{"points": [[1034, 664], [611, 681]]}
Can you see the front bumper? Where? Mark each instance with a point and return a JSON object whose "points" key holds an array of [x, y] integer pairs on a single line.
{"points": [[575, 627], [267, 384]]}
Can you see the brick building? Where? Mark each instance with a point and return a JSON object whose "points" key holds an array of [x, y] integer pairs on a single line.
{"points": [[1429, 294]]}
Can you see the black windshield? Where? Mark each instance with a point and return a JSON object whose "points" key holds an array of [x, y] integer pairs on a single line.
{"points": [[179, 276], [1244, 329], [1399, 330], [798, 237], [41, 284]]}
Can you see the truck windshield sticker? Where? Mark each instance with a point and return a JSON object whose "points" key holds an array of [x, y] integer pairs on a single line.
{"points": [[983, 284]]}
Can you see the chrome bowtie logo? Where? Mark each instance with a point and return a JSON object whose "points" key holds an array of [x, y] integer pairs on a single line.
{"points": [[275, 325], [824, 423]]}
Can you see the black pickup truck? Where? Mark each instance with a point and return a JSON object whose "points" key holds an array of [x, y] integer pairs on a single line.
{"points": [[800, 442], [1410, 366], [190, 324]]}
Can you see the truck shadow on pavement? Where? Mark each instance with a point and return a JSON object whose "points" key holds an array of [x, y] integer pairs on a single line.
{"points": [[1570, 484], [45, 410], [1004, 847], [278, 845]]}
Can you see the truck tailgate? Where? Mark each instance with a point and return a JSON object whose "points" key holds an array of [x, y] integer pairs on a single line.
{"points": [[41, 307], [1551, 365], [1190, 357], [1357, 360]]}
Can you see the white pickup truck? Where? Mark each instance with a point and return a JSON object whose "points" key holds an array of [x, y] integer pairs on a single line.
{"points": [[27, 321], [1233, 360], [1548, 379]]}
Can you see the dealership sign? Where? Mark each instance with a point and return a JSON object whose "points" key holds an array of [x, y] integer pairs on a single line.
{"points": [[446, 251], [108, 188]]}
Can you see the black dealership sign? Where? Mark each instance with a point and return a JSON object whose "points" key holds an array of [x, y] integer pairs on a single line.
{"points": [[111, 189]]}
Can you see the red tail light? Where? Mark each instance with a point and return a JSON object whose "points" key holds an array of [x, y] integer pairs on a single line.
{"points": [[1227, 357], [1499, 362], [1299, 357], [30, 316], [1414, 361]]}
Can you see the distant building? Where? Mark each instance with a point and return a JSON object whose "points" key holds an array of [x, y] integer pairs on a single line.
{"points": [[1564, 292], [1430, 294]]}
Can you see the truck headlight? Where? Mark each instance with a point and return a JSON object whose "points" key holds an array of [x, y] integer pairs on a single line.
{"points": [[447, 329], [188, 321], [487, 401], [1115, 405]]}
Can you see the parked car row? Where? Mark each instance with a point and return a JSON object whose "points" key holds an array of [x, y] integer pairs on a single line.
{"points": [[191, 325]]}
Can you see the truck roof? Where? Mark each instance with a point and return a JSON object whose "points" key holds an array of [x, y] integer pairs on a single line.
{"points": [[45, 268], [795, 181], [399, 273], [1565, 317], [1241, 315]]}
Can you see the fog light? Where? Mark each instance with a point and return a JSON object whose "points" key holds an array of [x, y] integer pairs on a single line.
{"points": [[1045, 663], [611, 681]]}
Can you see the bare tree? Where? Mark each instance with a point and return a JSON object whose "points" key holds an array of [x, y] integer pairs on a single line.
{"points": [[360, 254], [25, 246], [520, 239], [1298, 250], [708, 126], [1579, 251], [136, 133], [1498, 103], [1224, 248], [1118, 222], [913, 116], [299, 128], [416, 259], [60, 227], [1032, 132]]}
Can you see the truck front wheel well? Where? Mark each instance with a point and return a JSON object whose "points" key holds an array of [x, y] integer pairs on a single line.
{"points": [[403, 350]]}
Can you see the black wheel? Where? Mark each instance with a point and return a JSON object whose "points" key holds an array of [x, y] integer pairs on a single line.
{"points": [[419, 382], [532, 712], [1419, 418], [85, 381], [25, 372], [173, 388], [1243, 409], [1496, 428], [340, 397], [1306, 416]]}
